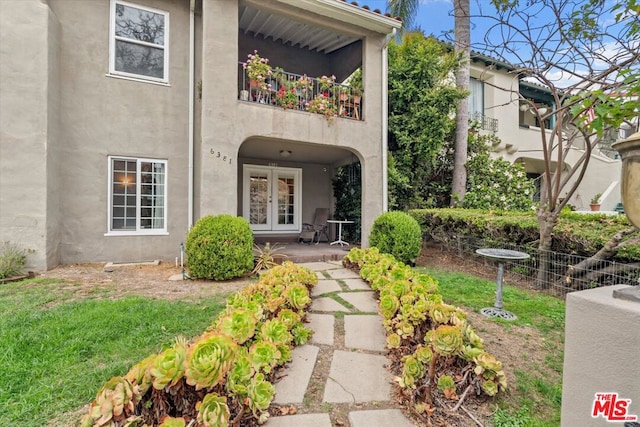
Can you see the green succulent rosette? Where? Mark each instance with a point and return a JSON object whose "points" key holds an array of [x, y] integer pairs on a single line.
{"points": [[275, 331], [412, 370], [405, 329], [168, 366], [490, 387], [393, 341], [469, 353], [260, 394], [472, 338], [426, 282], [400, 287], [239, 376], [240, 325], [209, 360], [445, 382], [441, 313], [389, 305], [213, 411], [301, 334], [285, 353], [289, 317], [264, 355], [446, 340], [486, 362], [424, 354], [298, 296], [173, 422]]}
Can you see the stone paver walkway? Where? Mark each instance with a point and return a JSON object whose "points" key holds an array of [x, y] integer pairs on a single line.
{"points": [[342, 370]]}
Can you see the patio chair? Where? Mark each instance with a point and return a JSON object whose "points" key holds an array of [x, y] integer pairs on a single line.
{"points": [[313, 231]]}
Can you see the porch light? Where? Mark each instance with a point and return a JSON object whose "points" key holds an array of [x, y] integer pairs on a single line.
{"points": [[285, 153], [629, 150]]}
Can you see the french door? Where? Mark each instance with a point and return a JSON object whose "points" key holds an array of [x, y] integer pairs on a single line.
{"points": [[272, 198]]}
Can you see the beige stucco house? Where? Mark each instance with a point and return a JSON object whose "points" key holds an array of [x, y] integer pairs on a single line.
{"points": [[496, 102], [123, 122]]}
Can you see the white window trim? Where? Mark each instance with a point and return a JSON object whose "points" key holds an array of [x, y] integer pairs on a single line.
{"points": [[112, 44], [138, 232]]}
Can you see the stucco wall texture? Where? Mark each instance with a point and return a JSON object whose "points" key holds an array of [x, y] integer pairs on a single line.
{"points": [[600, 354], [63, 115]]}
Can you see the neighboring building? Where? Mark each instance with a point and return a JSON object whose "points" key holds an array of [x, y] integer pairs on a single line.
{"points": [[123, 122], [495, 103]]}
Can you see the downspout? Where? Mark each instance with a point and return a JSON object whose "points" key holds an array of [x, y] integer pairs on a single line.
{"points": [[385, 121], [191, 108]]}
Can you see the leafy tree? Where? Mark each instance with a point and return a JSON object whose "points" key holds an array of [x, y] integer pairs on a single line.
{"points": [[422, 102], [591, 67]]}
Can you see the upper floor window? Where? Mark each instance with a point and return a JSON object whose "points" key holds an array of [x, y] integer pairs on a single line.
{"points": [[138, 43], [137, 196], [476, 97]]}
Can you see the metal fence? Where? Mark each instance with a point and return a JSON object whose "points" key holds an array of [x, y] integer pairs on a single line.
{"points": [[565, 274]]}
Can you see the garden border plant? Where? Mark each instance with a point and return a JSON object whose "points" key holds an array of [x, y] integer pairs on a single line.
{"points": [[434, 351], [226, 375]]}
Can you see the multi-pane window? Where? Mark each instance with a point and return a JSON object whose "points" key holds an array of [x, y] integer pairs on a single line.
{"points": [[139, 42], [138, 201]]}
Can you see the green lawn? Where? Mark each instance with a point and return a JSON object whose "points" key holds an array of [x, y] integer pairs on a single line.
{"points": [[56, 351], [535, 399]]}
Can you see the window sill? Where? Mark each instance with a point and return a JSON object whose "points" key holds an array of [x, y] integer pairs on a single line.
{"points": [[136, 233], [139, 80]]}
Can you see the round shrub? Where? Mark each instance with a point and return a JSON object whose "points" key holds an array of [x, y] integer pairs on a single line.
{"points": [[219, 248], [398, 234]]}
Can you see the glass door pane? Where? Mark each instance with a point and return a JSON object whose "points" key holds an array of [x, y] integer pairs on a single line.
{"points": [[286, 199], [259, 195]]}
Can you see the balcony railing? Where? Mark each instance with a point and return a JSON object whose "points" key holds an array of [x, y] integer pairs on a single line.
{"points": [[484, 122], [300, 92]]}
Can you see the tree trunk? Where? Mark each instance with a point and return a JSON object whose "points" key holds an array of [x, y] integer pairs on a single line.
{"points": [[608, 251], [546, 222], [462, 46]]}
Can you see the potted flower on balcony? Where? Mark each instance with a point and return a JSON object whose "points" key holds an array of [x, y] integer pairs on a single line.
{"points": [[595, 202], [355, 82], [258, 70]]}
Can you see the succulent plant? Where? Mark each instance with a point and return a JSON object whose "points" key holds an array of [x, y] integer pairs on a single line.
{"points": [[441, 313], [285, 353], [240, 324], [289, 317], [168, 366], [446, 340], [393, 340], [469, 353], [260, 394], [298, 296], [116, 399], [447, 386], [301, 334], [264, 355], [389, 304], [140, 375], [209, 360], [490, 387], [412, 370], [405, 329], [275, 331], [240, 375], [213, 411], [172, 422], [424, 354], [428, 283], [472, 338]]}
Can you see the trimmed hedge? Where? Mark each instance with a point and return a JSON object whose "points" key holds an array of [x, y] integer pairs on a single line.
{"points": [[580, 234], [219, 248], [398, 234]]}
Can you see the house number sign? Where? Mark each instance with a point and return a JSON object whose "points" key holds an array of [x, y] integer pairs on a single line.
{"points": [[220, 156]]}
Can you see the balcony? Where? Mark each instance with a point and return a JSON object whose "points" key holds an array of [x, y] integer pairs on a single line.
{"points": [[282, 89], [484, 122]]}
